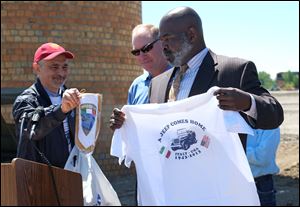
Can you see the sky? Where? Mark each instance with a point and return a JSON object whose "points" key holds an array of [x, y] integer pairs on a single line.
{"points": [[266, 33]]}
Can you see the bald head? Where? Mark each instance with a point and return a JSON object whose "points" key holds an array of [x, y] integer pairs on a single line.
{"points": [[180, 31], [145, 30], [183, 17]]}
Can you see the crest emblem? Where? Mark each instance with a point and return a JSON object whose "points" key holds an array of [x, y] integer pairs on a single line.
{"points": [[88, 116]]}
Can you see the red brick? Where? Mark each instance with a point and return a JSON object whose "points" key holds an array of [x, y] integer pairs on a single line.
{"points": [[99, 38]]}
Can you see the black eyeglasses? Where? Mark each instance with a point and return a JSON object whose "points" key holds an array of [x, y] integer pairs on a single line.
{"points": [[144, 49]]}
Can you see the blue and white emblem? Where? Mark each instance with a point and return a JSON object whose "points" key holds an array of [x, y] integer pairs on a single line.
{"points": [[88, 117]]}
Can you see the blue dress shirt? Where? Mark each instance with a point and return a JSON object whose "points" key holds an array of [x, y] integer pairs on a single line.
{"points": [[190, 75], [261, 151], [139, 89]]}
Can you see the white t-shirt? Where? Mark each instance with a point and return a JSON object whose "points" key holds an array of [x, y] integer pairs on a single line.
{"points": [[186, 152]]}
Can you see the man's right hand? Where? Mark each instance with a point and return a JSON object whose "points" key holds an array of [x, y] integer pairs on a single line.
{"points": [[70, 100], [117, 119]]}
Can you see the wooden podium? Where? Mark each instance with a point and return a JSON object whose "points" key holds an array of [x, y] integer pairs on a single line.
{"points": [[24, 183]]}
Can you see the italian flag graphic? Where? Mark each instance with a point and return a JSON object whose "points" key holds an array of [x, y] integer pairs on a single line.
{"points": [[165, 152]]}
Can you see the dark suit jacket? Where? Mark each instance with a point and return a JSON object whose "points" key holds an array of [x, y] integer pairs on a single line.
{"points": [[217, 70]]}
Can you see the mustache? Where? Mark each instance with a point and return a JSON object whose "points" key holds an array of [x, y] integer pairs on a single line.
{"points": [[167, 52], [59, 77]]}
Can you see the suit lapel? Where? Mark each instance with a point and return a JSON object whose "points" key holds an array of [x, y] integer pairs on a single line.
{"points": [[159, 87], [205, 75]]}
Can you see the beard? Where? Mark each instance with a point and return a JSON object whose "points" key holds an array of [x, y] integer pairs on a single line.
{"points": [[176, 58]]}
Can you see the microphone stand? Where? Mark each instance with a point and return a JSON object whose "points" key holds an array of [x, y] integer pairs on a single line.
{"points": [[22, 119], [44, 158]]}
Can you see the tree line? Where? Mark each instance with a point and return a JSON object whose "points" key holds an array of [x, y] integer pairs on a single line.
{"points": [[284, 81]]}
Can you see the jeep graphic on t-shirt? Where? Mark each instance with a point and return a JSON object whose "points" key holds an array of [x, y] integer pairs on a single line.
{"points": [[185, 138]]}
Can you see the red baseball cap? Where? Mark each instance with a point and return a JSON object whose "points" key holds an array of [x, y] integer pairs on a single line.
{"points": [[49, 51]]}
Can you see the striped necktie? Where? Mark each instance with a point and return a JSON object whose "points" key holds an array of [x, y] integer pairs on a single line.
{"points": [[176, 83]]}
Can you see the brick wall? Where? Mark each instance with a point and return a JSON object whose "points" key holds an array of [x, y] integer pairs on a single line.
{"points": [[98, 33]]}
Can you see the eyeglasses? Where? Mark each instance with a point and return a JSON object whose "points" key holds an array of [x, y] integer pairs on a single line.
{"points": [[144, 49]]}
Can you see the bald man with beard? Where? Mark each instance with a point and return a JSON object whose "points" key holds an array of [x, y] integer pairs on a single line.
{"points": [[181, 34]]}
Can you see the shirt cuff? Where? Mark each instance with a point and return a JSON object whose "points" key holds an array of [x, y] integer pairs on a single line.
{"points": [[252, 111], [58, 114]]}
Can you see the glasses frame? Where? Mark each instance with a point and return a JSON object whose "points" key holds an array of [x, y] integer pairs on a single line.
{"points": [[145, 49]]}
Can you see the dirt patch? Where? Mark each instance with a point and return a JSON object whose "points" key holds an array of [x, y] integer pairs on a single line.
{"points": [[287, 181]]}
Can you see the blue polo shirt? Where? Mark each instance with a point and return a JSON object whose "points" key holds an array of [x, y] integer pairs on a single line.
{"points": [[138, 91]]}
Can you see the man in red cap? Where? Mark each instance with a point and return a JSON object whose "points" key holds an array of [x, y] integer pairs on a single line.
{"points": [[44, 113]]}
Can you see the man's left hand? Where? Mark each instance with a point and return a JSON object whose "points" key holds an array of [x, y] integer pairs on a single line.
{"points": [[70, 100], [233, 99]]}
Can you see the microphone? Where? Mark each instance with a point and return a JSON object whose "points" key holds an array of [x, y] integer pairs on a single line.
{"points": [[24, 115], [37, 115]]}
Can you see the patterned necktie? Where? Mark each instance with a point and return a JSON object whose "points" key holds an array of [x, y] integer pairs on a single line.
{"points": [[176, 83]]}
